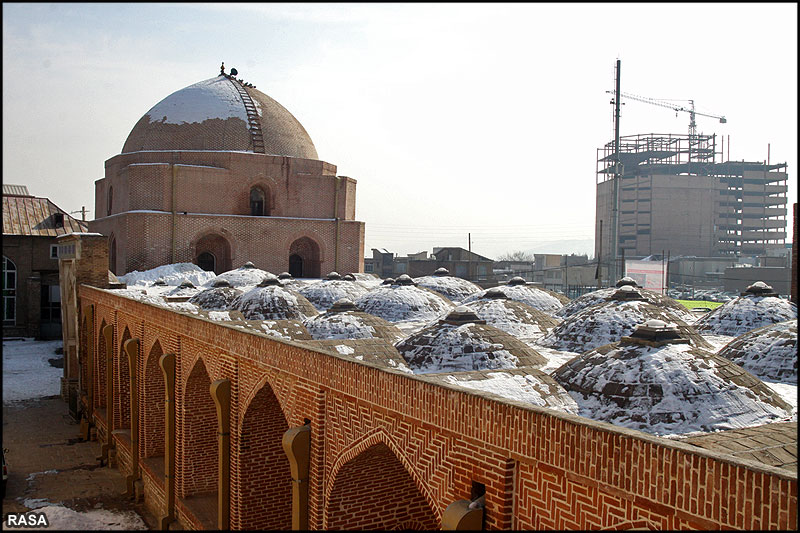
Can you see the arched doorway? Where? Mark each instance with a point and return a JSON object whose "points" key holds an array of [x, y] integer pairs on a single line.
{"points": [[214, 251], [207, 261], [304, 258]]}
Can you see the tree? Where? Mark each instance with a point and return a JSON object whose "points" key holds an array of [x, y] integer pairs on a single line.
{"points": [[518, 256]]}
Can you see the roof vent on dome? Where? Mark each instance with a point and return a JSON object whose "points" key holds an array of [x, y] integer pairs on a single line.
{"points": [[404, 279], [249, 264], [627, 281], [186, 284], [388, 281], [343, 304], [159, 283], [333, 275], [462, 315], [269, 280], [495, 293], [348, 277], [759, 288], [221, 283], [627, 293], [517, 280], [441, 272], [655, 332], [285, 275]]}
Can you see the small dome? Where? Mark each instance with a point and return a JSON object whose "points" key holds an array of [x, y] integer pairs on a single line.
{"points": [[404, 279], [403, 302], [769, 352], [760, 288], [185, 289], [626, 281], [269, 280], [219, 297], [522, 292], [273, 302], [333, 275], [515, 318], [325, 292], [516, 280], [159, 283], [249, 264], [220, 283], [441, 271], [603, 295], [211, 115], [457, 343], [344, 320], [453, 288], [349, 277], [746, 313], [285, 275], [246, 275], [388, 281], [669, 389]]}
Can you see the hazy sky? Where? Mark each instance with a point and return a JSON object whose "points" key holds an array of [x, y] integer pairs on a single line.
{"points": [[453, 118]]}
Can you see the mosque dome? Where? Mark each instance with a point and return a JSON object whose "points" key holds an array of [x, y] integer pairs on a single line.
{"points": [[220, 114]]}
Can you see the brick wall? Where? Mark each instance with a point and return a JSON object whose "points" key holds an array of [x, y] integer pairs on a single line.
{"points": [[152, 408], [541, 468]]}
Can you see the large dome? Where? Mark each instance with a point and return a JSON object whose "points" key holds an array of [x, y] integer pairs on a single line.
{"points": [[221, 114]]}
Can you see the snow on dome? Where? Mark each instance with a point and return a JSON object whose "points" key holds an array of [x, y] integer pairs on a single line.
{"points": [[668, 389], [185, 290], [769, 352], [403, 279], [746, 313], [245, 275], [522, 292], [173, 275], [397, 303], [210, 115], [759, 287], [608, 322], [368, 281], [346, 321], [515, 318], [273, 302], [526, 385], [602, 295], [441, 271], [626, 281], [325, 292], [333, 275], [218, 297], [453, 288], [388, 281], [452, 345]]}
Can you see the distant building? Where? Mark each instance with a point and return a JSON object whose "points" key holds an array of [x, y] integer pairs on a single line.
{"points": [[31, 293], [460, 262], [559, 271]]}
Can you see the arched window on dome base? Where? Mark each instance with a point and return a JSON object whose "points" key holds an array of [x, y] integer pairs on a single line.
{"points": [[259, 202]]}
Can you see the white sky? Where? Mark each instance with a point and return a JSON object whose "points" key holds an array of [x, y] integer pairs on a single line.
{"points": [[454, 118]]}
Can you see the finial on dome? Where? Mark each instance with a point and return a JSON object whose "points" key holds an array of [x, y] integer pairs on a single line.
{"points": [[222, 68]]}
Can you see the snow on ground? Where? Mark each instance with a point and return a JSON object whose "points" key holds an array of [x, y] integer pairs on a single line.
{"points": [[526, 388], [26, 372], [62, 518]]}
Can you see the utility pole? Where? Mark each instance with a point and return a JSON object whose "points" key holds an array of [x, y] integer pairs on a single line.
{"points": [[469, 257], [615, 194]]}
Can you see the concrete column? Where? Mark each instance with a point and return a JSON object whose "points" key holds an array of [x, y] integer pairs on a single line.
{"points": [[459, 517], [108, 338], [167, 364], [221, 392], [131, 348], [297, 445]]}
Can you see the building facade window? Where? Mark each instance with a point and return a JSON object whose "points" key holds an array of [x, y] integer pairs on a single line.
{"points": [[9, 291], [258, 202], [53, 251]]}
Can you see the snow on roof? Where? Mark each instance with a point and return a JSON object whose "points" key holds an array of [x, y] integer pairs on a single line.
{"points": [[453, 288], [245, 275], [668, 389], [527, 294], [397, 303], [273, 302], [216, 298], [351, 324], [325, 292], [746, 313], [608, 322], [174, 275], [601, 295], [208, 99], [769, 352], [516, 318]]}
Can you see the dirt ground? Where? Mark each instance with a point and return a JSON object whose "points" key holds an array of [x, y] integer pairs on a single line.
{"points": [[47, 460]]}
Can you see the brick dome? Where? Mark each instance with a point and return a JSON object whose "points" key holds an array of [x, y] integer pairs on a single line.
{"points": [[220, 114]]}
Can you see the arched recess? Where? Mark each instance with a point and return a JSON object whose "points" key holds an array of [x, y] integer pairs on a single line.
{"points": [[83, 355], [198, 472], [260, 201], [304, 258], [112, 254], [216, 245], [263, 468], [100, 375], [153, 411], [110, 200], [122, 385], [374, 490]]}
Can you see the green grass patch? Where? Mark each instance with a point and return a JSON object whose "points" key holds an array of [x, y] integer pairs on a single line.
{"points": [[689, 304]]}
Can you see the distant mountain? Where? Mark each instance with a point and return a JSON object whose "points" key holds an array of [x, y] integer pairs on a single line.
{"points": [[568, 246]]}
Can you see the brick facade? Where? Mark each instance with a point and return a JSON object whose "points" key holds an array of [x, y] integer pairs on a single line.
{"points": [[421, 444]]}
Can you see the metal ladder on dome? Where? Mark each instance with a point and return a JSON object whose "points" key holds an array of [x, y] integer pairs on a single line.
{"points": [[253, 123]]}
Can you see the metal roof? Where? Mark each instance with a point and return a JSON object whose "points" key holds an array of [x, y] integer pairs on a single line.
{"points": [[28, 215]]}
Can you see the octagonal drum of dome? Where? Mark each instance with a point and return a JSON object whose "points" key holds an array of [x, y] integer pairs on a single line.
{"points": [[211, 115], [246, 275], [758, 306], [655, 381], [602, 295], [519, 290], [463, 342], [402, 300], [218, 297], [453, 288], [516, 318], [346, 321], [769, 352], [324, 293], [269, 301], [608, 322]]}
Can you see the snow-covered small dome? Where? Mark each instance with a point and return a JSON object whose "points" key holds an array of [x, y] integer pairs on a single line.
{"points": [[769, 352], [462, 342], [609, 321], [453, 288], [513, 317], [603, 295], [218, 297], [403, 279], [626, 281], [518, 289], [667, 387], [245, 275], [746, 313], [186, 289], [403, 301], [270, 301], [760, 288], [325, 292], [388, 281], [346, 321]]}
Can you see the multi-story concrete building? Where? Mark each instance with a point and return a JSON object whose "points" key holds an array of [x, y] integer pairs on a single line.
{"points": [[676, 195], [218, 174]]}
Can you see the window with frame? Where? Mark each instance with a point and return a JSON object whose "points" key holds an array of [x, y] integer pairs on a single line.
{"points": [[53, 251], [9, 291]]}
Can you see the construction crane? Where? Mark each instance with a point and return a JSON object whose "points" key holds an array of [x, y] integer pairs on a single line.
{"points": [[667, 103]]}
